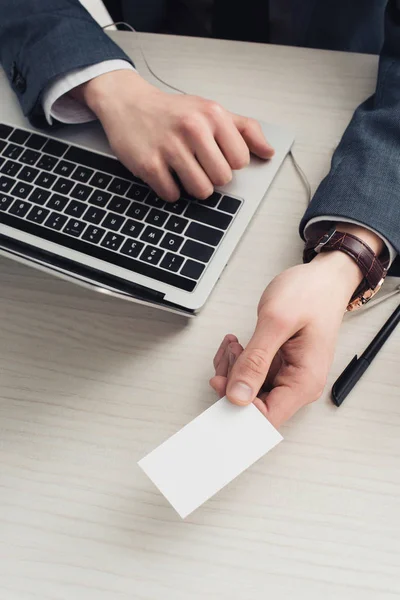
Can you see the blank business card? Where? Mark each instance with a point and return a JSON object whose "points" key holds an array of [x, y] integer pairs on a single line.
{"points": [[204, 456]]}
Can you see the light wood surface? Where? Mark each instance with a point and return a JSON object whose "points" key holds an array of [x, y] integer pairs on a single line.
{"points": [[89, 385]]}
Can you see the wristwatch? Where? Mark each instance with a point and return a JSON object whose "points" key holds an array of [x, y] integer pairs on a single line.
{"points": [[373, 267]]}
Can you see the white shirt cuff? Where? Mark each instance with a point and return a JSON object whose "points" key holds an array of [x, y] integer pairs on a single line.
{"points": [[57, 104], [392, 251]]}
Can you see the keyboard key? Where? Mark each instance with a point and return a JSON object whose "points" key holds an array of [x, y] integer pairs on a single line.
{"points": [[205, 215], [205, 234], [100, 180], [154, 200], [82, 174], [37, 214], [57, 202], [118, 204], [156, 217], [99, 162], [132, 228], [112, 241], [13, 151], [93, 234], [45, 180], [74, 227], [36, 142], [132, 248], [75, 209], [11, 168], [151, 234], [20, 208], [212, 200], [3, 144], [56, 221], [115, 258], [118, 186], [64, 168], [172, 262], [5, 131], [137, 211], [30, 157], [137, 192], [19, 136], [28, 174], [197, 250], [22, 190], [55, 148], [192, 269], [81, 192], [94, 215], [151, 255], [176, 207], [176, 224], [230, 205], [5, 201], [172, 242], [62, 185], [99, 198], [39, 196], [47, 163], [6, 183], [113, 222]]}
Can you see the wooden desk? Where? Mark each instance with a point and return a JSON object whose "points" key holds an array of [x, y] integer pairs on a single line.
{"points": [[89, 385]]}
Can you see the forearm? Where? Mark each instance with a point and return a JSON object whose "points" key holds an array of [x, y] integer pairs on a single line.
{"points": [[364, 181], [42, 39]]}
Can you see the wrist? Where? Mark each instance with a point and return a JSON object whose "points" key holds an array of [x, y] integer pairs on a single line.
{"points": [[341, 269], [105, 90]]}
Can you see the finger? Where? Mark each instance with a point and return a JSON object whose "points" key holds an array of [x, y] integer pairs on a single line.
{"points": [[253, 135], [281, 404], [295, 388], [213, 161], [276, 365], [232, 144], [191, 174], [228, 339], [157, 175], [234, 351], [251, 368], [218, 383]]}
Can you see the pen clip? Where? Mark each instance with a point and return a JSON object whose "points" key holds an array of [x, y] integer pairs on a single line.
{"points": [[337, 388]]}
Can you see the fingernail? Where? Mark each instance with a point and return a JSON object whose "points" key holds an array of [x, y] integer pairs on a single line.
{"points": [[241, 393]]}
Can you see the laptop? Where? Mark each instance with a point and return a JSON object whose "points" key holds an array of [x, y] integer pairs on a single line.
{"points": [[68, 207]]}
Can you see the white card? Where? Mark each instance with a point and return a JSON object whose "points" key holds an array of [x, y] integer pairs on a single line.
{"points": [[204, 456]]}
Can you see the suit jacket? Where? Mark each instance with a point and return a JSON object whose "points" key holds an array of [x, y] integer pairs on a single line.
{"points": [[41, 39]]}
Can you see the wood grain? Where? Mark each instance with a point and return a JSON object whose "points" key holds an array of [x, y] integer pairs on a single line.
{"points": [[89, 385]]}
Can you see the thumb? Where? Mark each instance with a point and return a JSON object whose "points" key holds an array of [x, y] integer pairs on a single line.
{"points": [[253, 135], [251, 368]]}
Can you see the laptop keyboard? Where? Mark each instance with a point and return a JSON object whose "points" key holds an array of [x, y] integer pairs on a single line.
{"points": [[90, 203]]}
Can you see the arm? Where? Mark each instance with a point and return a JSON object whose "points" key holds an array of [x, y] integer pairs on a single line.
{"points": [[364, 181], [154, 134], [286, 362], [43, 39]]}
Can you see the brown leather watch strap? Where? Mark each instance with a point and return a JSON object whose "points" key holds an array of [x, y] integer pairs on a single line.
{"points": [[373, 268]]}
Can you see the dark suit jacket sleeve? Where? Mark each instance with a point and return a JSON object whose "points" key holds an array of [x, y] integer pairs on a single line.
{"points": [[364, 180], [41, 39]]}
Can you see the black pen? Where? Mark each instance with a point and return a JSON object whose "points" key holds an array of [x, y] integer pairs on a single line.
{"points": [[357, 367]]}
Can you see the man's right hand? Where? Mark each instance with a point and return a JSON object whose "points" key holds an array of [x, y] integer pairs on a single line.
{"points": [[155, 134]]}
